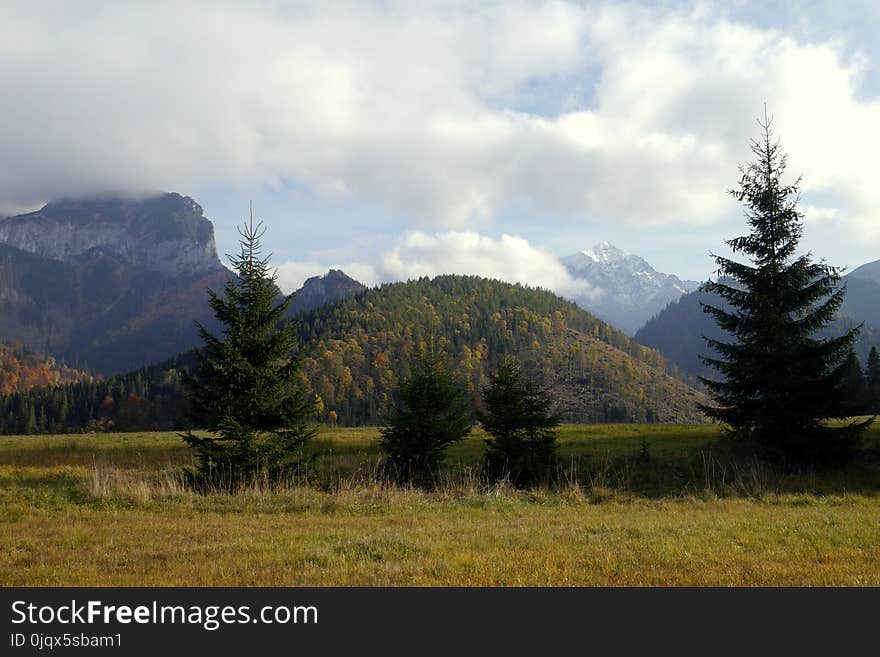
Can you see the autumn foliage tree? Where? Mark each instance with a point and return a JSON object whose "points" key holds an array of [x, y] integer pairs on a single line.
{"points": [[22, 369]]}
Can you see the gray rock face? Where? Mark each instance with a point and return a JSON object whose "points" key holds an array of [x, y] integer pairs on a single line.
{"points": [[631, 291], [320, 290], [108, 284], [168, 234]]}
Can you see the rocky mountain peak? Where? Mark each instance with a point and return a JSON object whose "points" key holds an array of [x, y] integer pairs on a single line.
{"points": [[605, 252], [607, 257], [168, 233], [631, 289], [319, 290]]}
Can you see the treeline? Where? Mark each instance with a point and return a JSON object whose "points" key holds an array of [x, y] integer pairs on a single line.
{"points": [[863, 383], [150, 399], [358, 350]]}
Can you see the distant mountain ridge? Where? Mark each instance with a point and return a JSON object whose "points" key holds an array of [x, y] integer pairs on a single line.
{"points": [[111, 285], [677, 331], [630, 290], [867, 272]]}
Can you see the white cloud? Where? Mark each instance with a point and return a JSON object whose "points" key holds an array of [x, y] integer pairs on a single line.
{"points": [[508, 258], [415, 107], [813, 213]]}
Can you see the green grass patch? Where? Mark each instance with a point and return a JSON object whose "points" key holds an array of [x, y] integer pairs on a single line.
{"points": [[110, 509]]}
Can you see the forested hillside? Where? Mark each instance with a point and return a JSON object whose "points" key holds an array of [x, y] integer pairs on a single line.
{"points": [[22, 369], [150, 398], [357, 350], [24, 374]]}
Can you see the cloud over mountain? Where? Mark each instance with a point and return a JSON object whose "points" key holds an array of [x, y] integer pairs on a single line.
{"points": [[508, 258], [443, 114]]}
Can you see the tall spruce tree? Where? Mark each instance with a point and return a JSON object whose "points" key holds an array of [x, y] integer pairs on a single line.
{"points": [[523, 430], [778, 383], [245, 390], [431, 413], [872, 374]]}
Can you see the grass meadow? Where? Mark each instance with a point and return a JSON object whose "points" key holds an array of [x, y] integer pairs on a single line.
{"points": [[632, 505]]}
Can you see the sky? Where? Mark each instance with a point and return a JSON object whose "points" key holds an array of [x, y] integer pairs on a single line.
{"points": [[399, 139]]}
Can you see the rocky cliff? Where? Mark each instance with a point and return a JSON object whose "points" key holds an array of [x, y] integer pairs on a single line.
{"points": [[168, 234], [320, 290], [108, 284]]}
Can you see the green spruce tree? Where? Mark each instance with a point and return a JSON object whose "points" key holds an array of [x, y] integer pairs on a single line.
{"points": [[432, 411], [855, 386], [30, 420], [779, 384], [245, 390], [523, 430], [872, 374]]}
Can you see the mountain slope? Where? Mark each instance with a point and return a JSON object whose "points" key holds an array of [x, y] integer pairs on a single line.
{"points": [[112, 284], [678, 330], [168, 233], [108, 284], [868, 272], [357, 350], [862, 299], [629, 290]]}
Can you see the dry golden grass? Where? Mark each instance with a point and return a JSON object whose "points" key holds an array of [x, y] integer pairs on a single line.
{"points": [[111, 510]]}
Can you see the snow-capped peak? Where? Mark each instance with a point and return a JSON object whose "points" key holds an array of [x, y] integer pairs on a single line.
{"points": [[606, 256], [632, 289], [604, 252]]}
